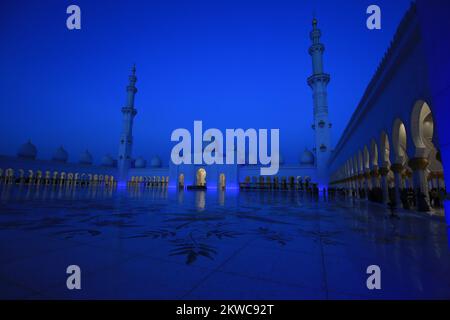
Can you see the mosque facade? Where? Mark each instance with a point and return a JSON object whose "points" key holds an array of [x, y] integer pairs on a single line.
{"points": [[392, 149], [390, 152], [308, 173]]}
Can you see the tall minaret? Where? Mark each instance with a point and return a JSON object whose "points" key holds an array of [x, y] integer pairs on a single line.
{"points": [[318, 83], [126, 138]]}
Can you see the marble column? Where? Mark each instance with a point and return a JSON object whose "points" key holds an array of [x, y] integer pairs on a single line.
{"points": [[362, 186], [368, 179], [419, 166], [350, 186], [357, 186], [398, 168], [384, 171], [375, 174], [431, 180]]}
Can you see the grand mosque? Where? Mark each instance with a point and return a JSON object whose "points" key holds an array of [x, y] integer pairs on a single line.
{"points": [[390, 152]]}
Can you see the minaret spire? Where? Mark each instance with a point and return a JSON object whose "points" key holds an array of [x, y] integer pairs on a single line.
{"points": [[318, 82], [126, 138]]}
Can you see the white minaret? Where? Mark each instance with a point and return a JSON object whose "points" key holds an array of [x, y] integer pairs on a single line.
{"points": [[126, 138], [318, 83]]}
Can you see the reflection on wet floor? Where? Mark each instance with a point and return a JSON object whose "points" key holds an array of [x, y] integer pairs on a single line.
{"points": [[160, 243]]}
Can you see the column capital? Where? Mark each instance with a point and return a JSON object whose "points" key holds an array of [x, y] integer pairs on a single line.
{"points": [[418, 163], [397, 167], [375, 172], [384, 171]]}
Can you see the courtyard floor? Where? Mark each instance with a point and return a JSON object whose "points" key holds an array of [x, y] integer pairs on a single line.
{"points": [[163, 244]]}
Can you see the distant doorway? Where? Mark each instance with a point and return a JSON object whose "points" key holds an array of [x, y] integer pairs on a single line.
{"points": [[222, 181], [181, 181], [201, 178]]}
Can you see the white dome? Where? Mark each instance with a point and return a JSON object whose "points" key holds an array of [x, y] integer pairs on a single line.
{"points": [[107, 161], [140, 163], [27, 150], [60, 155], [86, 158], [307, 158], [155, 162]]}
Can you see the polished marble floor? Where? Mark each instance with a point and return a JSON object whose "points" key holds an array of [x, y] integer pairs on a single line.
{"points": [[163, 244]]}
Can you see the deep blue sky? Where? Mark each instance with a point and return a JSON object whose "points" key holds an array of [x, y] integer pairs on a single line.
{"points": [[229, 63]]}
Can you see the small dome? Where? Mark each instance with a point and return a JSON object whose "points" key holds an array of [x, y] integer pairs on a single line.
{"points": [[86, 158], [107, 161], [27, 150], [140, 163], [155, 162], [307, 158], [60, 155]]}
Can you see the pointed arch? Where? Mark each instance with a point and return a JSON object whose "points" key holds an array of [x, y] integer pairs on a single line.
{"points": [[385, 151], [366, 158], [360, 161], [374, 153], [355, 164], [399, 138], [422, 125]]}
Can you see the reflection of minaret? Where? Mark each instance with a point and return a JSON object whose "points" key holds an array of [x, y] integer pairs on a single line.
{"points": [[126, 138], [318, 83]]}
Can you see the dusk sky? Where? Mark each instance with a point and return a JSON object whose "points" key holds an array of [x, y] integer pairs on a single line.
{"points": [[231, 64]]}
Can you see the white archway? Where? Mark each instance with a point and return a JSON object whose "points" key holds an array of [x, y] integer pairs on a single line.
{"points": [[222, 181], [360, 162], [201, 177], [366, 159], [429, 172], [422, 125], [181, 181], [399, 139], [385, 150], [422, 130], [374, 154]]}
